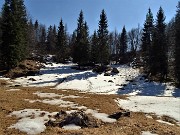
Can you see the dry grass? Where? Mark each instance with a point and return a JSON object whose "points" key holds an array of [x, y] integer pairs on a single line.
{"points": [[133, 125]]}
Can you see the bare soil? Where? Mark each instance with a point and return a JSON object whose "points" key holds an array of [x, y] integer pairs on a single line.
{"points": [[133, 125]]}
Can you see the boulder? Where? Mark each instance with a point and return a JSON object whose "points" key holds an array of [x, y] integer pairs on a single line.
{"points": [[117, 115], [78, 118]]}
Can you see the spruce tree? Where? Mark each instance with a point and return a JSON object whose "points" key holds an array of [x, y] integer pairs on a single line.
{"points": [[94, 48], [159, 47], [177, 44], [14, 33], [81, 48], [103, 48], [147, 39], [123, 45], [61, 43], [51, 39]]}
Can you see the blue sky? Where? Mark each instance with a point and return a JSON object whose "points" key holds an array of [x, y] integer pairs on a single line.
{"points": [[119, 12]]}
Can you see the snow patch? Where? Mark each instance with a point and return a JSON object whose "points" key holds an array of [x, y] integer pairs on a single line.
{"points": [[161, 121], [13, 90], [101, 116], [71, 127], [30, 126], [147, 133], [159, 105], [31, 120], [46, 95]]}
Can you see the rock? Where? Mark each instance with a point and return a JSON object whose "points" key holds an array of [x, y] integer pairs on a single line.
{"points": [[32, 79], [110, 81], [117, 115], [115, 70], [78, 118]]}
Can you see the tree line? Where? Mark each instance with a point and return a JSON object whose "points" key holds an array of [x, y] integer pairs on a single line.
{"points": [[156, 45]]}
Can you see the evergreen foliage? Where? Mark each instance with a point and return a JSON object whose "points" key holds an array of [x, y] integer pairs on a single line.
{"points": [[62, 43], [177, 44], [123, 45], [103, 48], [82, 47], [94, 48], [147, 38], [158, 55], [14, 33], [51, 39]]}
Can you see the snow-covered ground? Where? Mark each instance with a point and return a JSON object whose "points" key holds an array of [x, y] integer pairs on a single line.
{"points": [[168, 106], [128, 81], [144, 96]]}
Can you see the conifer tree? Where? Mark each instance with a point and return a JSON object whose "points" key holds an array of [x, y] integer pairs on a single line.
{"points": [[103, 55], [36, 27], [14, 33], [123, 45], [147, 38], [73, 44], [94, 48], [159, 47], [51, 39], [61, 43], [81, 48], [177, 44]]}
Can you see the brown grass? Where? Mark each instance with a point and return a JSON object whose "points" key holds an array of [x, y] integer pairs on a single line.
{"points": [[133, 125]]}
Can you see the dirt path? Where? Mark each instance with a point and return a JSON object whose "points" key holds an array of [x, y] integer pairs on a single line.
{"points": [[15, 100]]}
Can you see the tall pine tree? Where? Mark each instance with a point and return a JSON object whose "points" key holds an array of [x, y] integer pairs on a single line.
{"points": [[62, 43], [14, 33], [94, 48], [123, 45], [147, 39], [81, 48], [177, 44], [103, 48], [51, 39], [159, 47]]}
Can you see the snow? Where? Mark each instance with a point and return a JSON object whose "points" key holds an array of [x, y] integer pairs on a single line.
{"points": [[169, 106], [71, 127], [161, 121], [147, 133], [30, 126], [31, 120], [57, 101], [101, 116], [13, 90], [144, 96], [128, 81], [46, 95]]}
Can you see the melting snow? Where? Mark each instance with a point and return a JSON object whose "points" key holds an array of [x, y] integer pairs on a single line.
{"points": [[71, 127], [159, 105], [13, 90], [147, 133], [161, 121], [128, 81], [31, 120], [101, 116]]}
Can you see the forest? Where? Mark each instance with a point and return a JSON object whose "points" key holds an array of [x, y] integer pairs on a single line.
{"points": [[154, 46]]}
